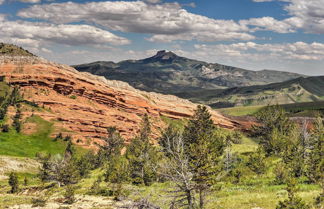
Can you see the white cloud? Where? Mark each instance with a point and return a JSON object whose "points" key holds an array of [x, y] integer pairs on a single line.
{"points": [[32, 34], [170, 21], [1, 1], [262, 0], [258, 52], [166, 22], [270, 24], [153, 1], [305, 14], [30, 1]]}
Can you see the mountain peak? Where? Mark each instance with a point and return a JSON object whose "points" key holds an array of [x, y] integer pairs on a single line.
{"points": [[165, 55], [13, 50]]}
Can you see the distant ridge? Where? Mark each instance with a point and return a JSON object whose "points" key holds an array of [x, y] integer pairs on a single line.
{"points": [[310, 89], [168, 73]]}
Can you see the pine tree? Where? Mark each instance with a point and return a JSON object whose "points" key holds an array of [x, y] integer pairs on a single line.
{"points": [[45, 170], [256, 162], [315, 165], [25, 181], [68, 172], [86, 163], [62, 170], [13, 182], [281, 173], [143, 156], [292, 155], [274, 129], [293, 201], [69, 195], [16, 120], [114, 143], [204, 149]]}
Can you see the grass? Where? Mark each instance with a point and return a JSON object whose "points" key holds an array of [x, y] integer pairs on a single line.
{"points": [[247, 145], [240, 111], [305, 109], [17, 144], [177, 123]]}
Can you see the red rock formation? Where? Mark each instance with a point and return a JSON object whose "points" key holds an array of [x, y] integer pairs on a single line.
{"points": [[86, 104]]}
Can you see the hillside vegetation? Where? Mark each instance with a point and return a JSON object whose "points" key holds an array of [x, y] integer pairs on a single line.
{"points": [[238, 171], [13, 50], [298, 90]]}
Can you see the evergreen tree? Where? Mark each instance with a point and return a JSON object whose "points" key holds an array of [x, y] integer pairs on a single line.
{"points": [[204, 149], [113, 144], [13, 182], [256, 162], [293, 154], [274, 129], [69, 194], [86, 163], [143, 156], [45, 169], [62, 170], [293, 201], [16, 120], [281, 173], [68, 172], [315, 165], [25, 181]]}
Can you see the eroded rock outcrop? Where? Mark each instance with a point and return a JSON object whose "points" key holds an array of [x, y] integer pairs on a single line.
{"points": [[86, 105]]}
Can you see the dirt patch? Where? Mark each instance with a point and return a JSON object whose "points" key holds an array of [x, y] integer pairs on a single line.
{"points": [[15, 164]]}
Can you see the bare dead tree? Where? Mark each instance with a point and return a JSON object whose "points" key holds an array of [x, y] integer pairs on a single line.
{"points": [[177, 170], [305, 139]]}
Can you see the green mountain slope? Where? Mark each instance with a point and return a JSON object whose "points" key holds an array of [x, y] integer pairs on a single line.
{"points": [[293, 91], [168, 73]]}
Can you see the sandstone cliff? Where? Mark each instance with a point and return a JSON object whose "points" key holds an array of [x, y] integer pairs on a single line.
{"points": [[84, 105]]}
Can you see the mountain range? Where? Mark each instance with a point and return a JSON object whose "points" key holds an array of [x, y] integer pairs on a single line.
{"points": [[169, 73], [210, 83]]}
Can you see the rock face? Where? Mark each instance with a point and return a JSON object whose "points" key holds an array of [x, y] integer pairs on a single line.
{"points": [[84, 105]]}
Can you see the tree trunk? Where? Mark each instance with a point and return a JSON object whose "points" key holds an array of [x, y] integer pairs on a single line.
{"points": [[201, 199], [189, 198]]}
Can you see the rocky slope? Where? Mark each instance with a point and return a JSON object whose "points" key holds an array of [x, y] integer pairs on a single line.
{"points": [[84, 105], [169, 73]]}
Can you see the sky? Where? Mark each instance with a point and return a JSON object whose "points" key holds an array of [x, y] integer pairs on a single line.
{"points": [[285, 35]]}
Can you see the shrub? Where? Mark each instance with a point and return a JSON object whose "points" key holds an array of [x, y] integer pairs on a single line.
{"points": [[280, 173], [237, 137], [39, 202], [25, 181], [95, 188], [293, 201], [5, 128], [256, 162], [69, 195], [13, 182]]}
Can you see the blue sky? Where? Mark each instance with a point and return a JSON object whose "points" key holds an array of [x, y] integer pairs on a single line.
{"points": [[253, 34]]}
